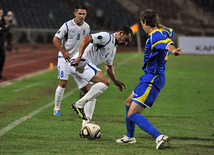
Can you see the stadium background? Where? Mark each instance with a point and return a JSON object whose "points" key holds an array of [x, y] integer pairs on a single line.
{"points": [[184, 110], [38, 21]]}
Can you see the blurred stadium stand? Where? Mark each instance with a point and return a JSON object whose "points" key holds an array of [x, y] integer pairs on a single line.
{"points": [[186, 17], [38, 20], [35, 13]]}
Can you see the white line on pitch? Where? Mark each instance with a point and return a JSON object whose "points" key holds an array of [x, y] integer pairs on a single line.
{"points": [[28, 86], [18, 121], [25, 76], [127, 60]]}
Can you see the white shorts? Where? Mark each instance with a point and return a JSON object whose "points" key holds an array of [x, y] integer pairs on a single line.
{"points": [[63, 68], [83, 73]]}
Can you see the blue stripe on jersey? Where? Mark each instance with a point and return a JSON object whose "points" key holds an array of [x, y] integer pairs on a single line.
{"points": [[93, 68], [74, 59], [67, 26], [109, 38]]}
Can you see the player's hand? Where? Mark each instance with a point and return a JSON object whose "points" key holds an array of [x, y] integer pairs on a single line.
{"points": [[120, 84], [75, 62], [66, 55], [177, 51]]}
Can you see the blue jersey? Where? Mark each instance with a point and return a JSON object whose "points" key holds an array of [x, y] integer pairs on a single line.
{"points": [[156, 55]]}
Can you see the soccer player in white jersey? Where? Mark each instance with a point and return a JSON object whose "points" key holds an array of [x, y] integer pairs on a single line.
{"points": [[67, 41], [94, 50]]}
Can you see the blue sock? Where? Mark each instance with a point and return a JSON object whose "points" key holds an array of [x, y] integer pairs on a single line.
{"points": [[130, 126], [144, 124]]}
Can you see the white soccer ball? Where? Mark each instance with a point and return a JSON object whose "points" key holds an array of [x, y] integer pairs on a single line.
{"points": [[91, 131]]}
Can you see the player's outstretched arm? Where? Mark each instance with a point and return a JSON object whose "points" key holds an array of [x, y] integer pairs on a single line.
{"points": [[173, 50], [86, 40], [111, 74]]}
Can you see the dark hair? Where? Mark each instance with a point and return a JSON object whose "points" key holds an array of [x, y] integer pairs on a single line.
{"points": [[126, 30], [150, 18], [80, 6]]}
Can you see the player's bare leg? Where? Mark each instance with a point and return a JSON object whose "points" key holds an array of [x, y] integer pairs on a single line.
{"points": [[101, 84]]}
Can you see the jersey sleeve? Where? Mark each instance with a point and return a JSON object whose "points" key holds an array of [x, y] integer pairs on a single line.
{"points": [[159, 41], [62, 31], [101, 38], [89, 29], [168, 32], [109, 61], [171, 33]]}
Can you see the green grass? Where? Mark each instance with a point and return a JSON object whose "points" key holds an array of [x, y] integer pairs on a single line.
{"points": [[183, 110]]}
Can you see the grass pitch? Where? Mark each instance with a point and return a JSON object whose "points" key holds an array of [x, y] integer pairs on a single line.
{"points": [[183, 110]]}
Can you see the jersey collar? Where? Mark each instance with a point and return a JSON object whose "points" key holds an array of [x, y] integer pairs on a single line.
{"points": [[115, 40], [75, 23]]}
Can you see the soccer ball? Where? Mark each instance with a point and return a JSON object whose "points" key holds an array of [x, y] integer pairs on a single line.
{"points": [[91, 131]]}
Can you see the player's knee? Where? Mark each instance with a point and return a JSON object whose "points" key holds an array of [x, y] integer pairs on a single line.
{"points": [[128, 102], [107, 82], [63, 83], [129, 113]]}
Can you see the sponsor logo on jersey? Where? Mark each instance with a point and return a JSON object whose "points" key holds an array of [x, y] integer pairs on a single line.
{"points": [[99, 37]]}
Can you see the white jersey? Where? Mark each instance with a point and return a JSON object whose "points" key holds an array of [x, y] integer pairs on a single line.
{"points": [[71, 35], [103, 49]]}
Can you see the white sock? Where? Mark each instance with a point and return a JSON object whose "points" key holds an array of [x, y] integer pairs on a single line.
{"points": [[93, 93], [89, 108], [58, 97]]}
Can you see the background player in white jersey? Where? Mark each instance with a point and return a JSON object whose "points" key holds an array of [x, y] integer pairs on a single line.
{"points": [[94, 50], [67, 41]]}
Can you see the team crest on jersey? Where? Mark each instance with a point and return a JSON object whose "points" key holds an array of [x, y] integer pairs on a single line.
{"points": [[83, 32], [112, 54]]}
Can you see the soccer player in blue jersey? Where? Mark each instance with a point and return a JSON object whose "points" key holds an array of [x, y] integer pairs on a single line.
{"points": [[157, 49]]}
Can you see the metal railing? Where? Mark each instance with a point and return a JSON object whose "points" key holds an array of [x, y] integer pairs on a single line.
{"points": [[33, 35]]}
